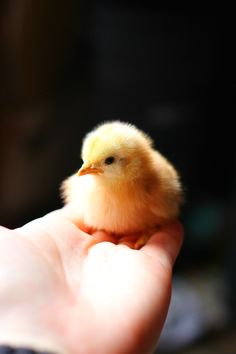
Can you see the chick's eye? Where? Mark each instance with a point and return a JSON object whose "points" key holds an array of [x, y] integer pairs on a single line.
{"points": [[109, 160]]}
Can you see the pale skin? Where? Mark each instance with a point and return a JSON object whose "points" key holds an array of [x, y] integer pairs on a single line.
{"points": [[65, 291]]}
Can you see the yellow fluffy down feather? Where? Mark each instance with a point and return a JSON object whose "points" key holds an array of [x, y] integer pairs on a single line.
{"points": [[124, 186]]}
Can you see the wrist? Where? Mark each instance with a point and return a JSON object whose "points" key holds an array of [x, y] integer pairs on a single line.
{"points": [[38, 344], [19, 330]]}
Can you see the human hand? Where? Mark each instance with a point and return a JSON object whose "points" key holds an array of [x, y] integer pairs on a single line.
{"points": [[65, 291]]}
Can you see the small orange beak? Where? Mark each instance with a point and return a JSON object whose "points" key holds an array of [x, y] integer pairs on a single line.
{"points": [[84, 170]]}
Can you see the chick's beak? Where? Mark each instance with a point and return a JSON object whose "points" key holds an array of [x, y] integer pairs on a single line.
{"points": [[86, 169]]}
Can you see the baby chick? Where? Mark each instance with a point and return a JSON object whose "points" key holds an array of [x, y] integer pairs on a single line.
{"points": [[124, 186]]}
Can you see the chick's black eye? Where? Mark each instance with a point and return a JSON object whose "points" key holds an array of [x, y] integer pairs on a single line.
{"points": [[109, 160]]}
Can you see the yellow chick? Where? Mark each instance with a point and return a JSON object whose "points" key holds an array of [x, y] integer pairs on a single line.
{"points": [[124, 186]]}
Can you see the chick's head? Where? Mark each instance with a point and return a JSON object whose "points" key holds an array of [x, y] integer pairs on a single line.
{"points": [[116, 151]]}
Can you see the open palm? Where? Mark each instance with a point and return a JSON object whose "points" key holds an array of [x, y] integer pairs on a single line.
{"points": [[69, 292]]}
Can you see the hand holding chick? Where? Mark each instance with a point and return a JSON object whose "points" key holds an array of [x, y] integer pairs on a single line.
{"points": [[124, 186]]}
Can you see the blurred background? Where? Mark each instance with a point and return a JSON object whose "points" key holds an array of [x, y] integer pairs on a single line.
{"points": [[67, 66]]}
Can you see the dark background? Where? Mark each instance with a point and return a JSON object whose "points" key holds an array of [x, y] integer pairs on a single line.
{"points": [[66, 66]]}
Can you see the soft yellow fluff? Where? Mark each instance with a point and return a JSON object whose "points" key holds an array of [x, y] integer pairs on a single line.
{"points": [[137, 192]]}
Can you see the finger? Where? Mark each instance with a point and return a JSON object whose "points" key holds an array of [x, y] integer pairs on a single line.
{"points": [[102, 236], [165, 245], [54, 226]]}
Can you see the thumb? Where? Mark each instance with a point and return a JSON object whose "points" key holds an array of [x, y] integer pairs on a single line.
{"points": [[165, 245]]}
